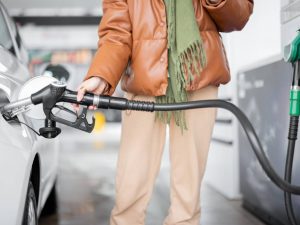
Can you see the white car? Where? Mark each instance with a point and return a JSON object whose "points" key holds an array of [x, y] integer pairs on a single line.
{"points": [[28, 162]]}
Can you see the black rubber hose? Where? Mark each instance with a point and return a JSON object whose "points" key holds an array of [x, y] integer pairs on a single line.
{"points": [[249, 130], [107, 102], [293, 132], [288, 177]]}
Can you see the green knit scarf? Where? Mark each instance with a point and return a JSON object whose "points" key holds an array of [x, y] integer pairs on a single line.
{"points": [[186, 55]]}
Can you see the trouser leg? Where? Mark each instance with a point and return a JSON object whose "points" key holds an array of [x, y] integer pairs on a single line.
{"points": [[141, 149], [188, 156]]}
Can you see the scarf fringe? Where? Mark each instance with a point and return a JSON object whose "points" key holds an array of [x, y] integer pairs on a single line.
{"points": [[191, 61]]}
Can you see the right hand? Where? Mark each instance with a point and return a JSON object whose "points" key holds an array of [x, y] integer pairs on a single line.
{"points": [[95, 85]]}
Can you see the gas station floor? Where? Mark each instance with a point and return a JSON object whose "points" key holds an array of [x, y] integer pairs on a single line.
{"points": [[85, 186]]}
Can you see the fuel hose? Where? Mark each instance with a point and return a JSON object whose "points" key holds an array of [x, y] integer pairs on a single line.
{"points": [[284, 184], [107, 102], [293, 132]]}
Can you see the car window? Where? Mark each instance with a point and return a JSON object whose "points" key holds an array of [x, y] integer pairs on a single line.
{"points": [[22, 50], [5, 38], [15, 32]]}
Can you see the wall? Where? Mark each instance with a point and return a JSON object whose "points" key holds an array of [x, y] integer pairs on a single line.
{"points": [[60, 37], [54, 7], [260, 39]]}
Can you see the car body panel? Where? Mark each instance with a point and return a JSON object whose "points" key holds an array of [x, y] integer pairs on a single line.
{"points": [[19, 145], [15, 161]]}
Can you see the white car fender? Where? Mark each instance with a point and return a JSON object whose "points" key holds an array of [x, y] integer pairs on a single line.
{"points": [[16, 155]]}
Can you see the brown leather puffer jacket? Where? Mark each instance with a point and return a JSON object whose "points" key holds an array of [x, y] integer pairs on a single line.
{"points": [[133, 43]]}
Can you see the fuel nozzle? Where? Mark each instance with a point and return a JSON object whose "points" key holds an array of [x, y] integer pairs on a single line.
{"points": [[295, 91], [292, 51], [292, 55]]}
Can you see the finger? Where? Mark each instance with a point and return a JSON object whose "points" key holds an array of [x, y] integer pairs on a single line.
{"points": [[92, 107], [80, 94], [106, 89], [79, 87], [101, 89], [75, 105], [76, 108]]}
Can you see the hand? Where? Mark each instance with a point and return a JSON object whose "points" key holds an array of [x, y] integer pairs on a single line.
{"points": [[95, 85]]}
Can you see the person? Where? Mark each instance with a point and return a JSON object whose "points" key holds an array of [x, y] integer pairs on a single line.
{"points": [[164, 51]]}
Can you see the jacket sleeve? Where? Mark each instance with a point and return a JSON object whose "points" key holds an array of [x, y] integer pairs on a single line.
{"points": [[229, 15], [115, 42]]}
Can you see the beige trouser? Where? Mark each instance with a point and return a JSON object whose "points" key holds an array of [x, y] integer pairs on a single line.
{"points": [[139, 159]]}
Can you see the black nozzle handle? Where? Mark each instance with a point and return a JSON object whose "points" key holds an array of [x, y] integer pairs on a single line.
{"points": [[49, 94], [71, 97]]}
